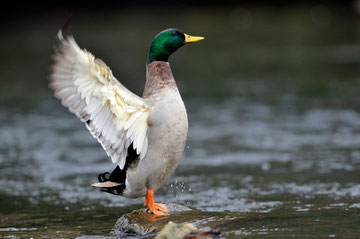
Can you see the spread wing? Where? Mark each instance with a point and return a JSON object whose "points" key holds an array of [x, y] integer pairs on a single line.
{"points": [[113, 114]]}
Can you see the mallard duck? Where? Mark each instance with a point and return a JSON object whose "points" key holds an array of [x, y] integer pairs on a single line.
{"points": [[145, 136]]}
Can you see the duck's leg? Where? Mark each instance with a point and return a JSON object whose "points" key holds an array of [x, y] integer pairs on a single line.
{"points": [[157, 209]]}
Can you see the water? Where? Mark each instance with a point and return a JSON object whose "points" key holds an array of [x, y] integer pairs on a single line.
{"points": [[274, 117]]}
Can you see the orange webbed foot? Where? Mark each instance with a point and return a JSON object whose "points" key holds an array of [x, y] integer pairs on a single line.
{"points": [[161, 206], [158, 209]]}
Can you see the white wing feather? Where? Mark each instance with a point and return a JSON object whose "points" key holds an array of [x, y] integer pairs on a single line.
{"points": [[113, 114]]}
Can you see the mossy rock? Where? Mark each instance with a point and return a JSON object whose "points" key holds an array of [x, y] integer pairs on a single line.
{"points": [[143, 224]]}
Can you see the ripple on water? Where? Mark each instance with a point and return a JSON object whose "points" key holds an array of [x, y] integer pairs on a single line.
{"points": [[15, 229], [232, 148]]}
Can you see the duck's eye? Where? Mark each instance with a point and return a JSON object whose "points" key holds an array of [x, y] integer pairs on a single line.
{"points": [[174, 33]]}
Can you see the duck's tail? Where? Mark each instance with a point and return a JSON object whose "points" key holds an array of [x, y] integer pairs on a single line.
{"points": [[111, 183]]}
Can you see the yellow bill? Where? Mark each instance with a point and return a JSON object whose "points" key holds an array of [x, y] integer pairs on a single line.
{"points": [[189, 38]]}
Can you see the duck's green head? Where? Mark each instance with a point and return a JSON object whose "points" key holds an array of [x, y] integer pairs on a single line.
{"points": [[167, 42]]}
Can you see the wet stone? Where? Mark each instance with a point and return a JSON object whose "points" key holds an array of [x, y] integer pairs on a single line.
{"points": [[175, 231], [142, 224]]}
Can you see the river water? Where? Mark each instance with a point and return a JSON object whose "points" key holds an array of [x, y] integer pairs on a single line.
{"points": [[273, 105]]}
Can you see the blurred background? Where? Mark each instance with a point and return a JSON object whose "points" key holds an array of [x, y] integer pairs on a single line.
{"points": [[273, 102]]}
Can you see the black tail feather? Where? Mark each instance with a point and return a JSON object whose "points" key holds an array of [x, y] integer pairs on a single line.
{"points": [[119, 175], [103, 177]]}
